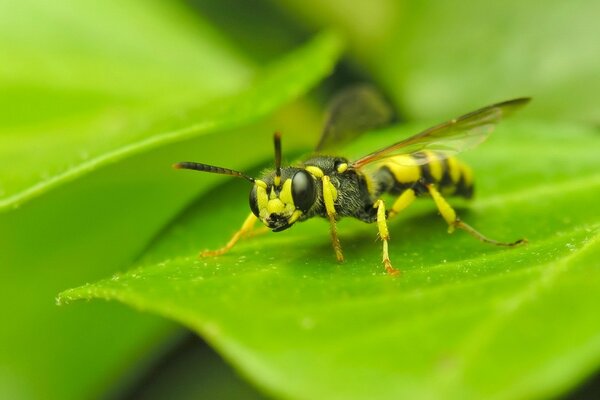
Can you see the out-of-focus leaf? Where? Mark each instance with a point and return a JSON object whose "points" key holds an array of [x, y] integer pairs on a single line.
{"points": [[440, 58], [300, 325], [192, 370], [136, 52], [259, 29], [37, 157], [79, 93], [81, 81]]}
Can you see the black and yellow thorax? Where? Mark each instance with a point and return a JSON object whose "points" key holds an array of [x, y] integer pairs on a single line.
{"points": [[353, 191]]}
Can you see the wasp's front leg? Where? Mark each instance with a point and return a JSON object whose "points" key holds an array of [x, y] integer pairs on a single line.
{"points": [[329, 199], [246, 230]]}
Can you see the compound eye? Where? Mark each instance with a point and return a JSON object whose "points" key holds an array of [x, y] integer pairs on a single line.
{"points": [[253, 202], [303, 190]]}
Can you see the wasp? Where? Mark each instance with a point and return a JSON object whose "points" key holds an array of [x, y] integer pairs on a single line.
{"points": [[332, 187]]}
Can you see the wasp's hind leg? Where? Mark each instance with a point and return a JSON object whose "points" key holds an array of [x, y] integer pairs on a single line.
{"points": [[246, 230], [384, 234], [453, 221]]}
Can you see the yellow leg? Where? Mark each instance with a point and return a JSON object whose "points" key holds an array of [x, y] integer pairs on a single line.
{"points": [[453, 221], [245, 230], [403, 201], [257, 231], [328, 197], [384, 234]]}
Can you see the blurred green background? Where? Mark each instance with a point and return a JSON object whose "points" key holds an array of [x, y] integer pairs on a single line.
{"points": [[98, 98]]}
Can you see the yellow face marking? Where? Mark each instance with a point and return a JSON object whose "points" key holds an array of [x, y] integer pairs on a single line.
{"points": [[294, 217], [286, 192], [404, 168], [262, 200], [281, 203], [315, 171], [260, 183], [342, 168], [275, 206], [435, 166]]}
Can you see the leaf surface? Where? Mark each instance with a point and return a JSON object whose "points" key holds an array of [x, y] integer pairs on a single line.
{"points": [[464, 318], [79, 94], [108, 107]]}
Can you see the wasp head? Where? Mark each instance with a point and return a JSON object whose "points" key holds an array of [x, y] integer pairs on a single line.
{"points": [[279, 200]]}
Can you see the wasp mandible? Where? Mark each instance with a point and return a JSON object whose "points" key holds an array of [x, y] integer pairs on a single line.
{"points": [[333, 187]]}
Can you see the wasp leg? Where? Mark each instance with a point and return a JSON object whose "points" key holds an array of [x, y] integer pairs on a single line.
{"points": [[453, 221], [328, 197], [384, 234], [244, 231], [403, 201], [257, 232]]}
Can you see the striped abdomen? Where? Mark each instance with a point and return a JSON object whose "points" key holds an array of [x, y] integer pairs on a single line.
{"points": [[451, 176]]}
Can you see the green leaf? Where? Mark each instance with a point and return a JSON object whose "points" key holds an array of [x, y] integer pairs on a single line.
{"points": [[79, 94], [76, 89], [37, 157], [442, 58], [62, 239], [197, 372], [463, 320]]}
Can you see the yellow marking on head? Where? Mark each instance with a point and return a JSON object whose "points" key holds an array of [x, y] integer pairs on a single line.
{"points": [[260, 183], [342, 168], [404, 168], [286, 192], [272, 195], [275, 206], [314, 171], [435, 166], [277, 180], [294, 217], [262, 200], [453, 169]]}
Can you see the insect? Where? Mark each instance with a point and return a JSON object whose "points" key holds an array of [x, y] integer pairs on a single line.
{"points": [[333, 187]]}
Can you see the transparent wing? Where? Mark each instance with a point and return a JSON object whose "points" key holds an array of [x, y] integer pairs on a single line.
{"points": [[450, 137], [352, 112]]}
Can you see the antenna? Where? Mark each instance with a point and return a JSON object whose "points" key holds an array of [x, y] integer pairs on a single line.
{"points": [[212, 169], [277, 144]]}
